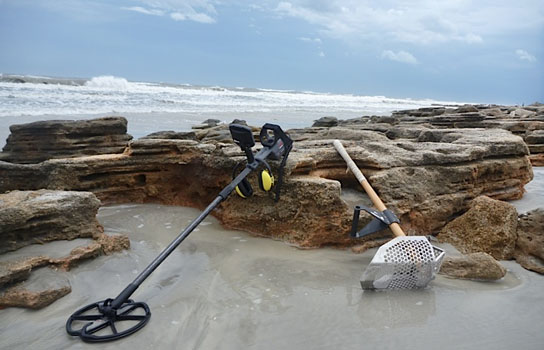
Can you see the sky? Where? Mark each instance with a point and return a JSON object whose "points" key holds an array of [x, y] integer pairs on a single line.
{"points": [[484, 51]]}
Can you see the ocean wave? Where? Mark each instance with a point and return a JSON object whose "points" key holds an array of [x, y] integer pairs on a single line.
{"points": [[108, 82], [31, 95]]}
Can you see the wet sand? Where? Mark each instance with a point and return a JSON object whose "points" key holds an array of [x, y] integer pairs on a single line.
{"points": [[224, 289]]}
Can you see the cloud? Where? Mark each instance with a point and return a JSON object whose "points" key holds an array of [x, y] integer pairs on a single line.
{"points": [[310, 40], [421, 22], [139, 9], [196, 17], [400, 56], [201, 11], [525, 56]]}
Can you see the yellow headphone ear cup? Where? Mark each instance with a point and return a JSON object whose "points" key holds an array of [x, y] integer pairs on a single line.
{"points": [[266, 180], [244, 189], [240, 192]]}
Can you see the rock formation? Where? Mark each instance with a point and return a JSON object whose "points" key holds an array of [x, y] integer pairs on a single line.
{"points": [[474, 266], [42, 216], [526, 121], [427, 176], [530, 244], [45, 229], [41, 289], [39, 141], [325, 122], [494, 227], [489, 226]]}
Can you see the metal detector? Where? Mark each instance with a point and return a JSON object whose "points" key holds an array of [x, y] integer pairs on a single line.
{"points": [[116, 318]]}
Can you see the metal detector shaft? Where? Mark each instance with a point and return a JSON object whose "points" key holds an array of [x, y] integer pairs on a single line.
{"points": [[127, 292], [131, 288]]}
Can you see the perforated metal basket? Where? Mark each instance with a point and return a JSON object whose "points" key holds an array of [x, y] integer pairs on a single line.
{"points": [[403, 263]]}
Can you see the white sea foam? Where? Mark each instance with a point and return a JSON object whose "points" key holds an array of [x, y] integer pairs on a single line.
{"points": [[108, 82]]}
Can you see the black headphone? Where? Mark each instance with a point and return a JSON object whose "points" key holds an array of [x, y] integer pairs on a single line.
{"points": [[266, 181]]}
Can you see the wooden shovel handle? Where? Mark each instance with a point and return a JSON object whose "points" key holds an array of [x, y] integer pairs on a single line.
{"points": [[397, 230]]}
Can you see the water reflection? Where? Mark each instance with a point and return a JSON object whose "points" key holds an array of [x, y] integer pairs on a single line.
{"points": [[396, 308]]}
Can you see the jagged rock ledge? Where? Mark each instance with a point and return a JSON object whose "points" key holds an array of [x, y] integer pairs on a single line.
{"points": [[525, 121], [426, 175], [39, 141], [489, 230], [43, 233]]}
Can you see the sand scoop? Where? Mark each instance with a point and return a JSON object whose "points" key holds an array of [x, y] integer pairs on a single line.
{"points": [[404, 262]]}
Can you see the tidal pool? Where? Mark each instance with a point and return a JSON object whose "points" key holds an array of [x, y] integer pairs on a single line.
{"points": [[225, 289]]}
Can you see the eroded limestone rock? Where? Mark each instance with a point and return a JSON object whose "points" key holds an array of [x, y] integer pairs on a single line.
{"points": [[527, 122], [489, 226], [165, 135], [39, 141], [17, 265], [16, 270], [477, 266], [30, 217], [43, 228], [77, 255], [326, 122], [530, 244], [425, 175], [42, 288], [110, 244]]}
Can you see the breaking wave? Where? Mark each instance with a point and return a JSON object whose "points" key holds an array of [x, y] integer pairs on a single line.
{"points": [[108, 82]]}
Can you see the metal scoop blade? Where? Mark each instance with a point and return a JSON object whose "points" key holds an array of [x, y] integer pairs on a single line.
{"points": [[403, 263]]}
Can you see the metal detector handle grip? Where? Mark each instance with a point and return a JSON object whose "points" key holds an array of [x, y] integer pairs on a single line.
{"points": [[395, 227], [273, 137]]}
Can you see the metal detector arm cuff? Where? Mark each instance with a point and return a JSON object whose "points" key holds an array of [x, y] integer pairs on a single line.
{"points": [[243, 137]]}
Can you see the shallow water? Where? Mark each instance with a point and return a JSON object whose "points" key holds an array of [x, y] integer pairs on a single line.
{"points": [[534, 196], [224, 289]]}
